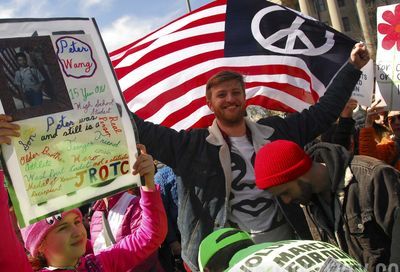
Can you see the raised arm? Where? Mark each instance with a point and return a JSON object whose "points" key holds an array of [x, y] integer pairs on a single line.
{"points": [[12, 253], [346, 125], [135, 248], [305, 126]]}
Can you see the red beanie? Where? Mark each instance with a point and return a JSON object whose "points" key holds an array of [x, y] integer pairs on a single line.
{"points": [[279, 162]]}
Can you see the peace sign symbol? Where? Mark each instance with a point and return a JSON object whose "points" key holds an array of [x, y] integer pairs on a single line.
{"points": [[291, 33]]}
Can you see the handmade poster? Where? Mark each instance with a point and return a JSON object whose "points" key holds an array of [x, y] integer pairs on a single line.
{"points": [[77, 141], [388, 55]]}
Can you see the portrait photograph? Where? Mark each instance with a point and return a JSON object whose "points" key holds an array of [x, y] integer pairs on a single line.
{"points": [[30, 78]]}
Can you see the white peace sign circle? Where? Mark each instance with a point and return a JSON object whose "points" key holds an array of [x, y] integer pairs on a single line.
{"points": [[291, 33]]}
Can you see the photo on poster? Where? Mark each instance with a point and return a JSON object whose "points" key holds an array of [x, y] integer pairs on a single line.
{"points": [[30, 78]]}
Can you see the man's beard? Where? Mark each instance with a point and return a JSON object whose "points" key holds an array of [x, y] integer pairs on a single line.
{"points": [[231, 120]]}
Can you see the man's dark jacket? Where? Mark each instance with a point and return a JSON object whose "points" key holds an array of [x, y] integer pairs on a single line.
{"points": [[366, 199], [201, 158]]}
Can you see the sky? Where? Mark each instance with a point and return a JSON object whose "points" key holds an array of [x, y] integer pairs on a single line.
{"points": [[120, 21]]}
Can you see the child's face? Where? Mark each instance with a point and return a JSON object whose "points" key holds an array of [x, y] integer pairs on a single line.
{"points": [[66, 242]]}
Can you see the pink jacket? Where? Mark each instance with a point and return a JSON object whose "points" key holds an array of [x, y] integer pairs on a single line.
{"points": [[130, 224], [127, 253]]}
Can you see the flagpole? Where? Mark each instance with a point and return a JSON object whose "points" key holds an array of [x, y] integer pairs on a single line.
{"points": [[188, 5]]}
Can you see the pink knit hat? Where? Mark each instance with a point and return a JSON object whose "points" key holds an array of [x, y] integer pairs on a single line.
{"points": [[34, 234], [279, 162]]}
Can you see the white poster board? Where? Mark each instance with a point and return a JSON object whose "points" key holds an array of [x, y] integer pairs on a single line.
{"points": [[388, 56], [77, 141], [364, 88]]}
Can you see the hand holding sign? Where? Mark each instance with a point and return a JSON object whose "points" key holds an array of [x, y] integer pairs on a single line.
{"points": [[144, 166], [7, 129]]}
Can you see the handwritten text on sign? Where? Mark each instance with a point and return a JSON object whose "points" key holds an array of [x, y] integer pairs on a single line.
{"points": [[76, 57], [61, 155]]}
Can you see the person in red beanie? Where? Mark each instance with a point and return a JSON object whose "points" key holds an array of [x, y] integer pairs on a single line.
{"points": [[352, 202]]}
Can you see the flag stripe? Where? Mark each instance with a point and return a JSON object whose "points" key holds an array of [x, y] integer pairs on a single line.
{"points": [[214, 8], [153, 79], [183, 112], [287, 88], [272, 103], [173, 37], [178, 47], [203, 122], [192, 119]]}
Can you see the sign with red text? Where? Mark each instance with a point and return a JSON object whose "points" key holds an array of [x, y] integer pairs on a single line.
{"points": [[77, 142], [388, 55]]}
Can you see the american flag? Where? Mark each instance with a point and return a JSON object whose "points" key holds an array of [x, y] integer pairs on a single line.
{"points": [[288, 61], [9, 64]]}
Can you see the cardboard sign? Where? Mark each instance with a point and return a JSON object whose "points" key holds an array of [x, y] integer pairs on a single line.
{"points": [[77, 141], [388, 56]]}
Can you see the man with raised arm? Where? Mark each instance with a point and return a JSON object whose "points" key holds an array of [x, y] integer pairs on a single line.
{"points": [[216, 163]]}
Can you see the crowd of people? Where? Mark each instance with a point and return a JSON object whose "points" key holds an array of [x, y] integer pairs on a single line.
{"points": [[237, 188]]}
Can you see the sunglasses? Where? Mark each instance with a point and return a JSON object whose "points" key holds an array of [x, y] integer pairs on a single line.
{"points": [[393, 118]]}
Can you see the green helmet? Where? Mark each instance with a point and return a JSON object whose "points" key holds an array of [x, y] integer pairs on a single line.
{"points": [[218, 240]]}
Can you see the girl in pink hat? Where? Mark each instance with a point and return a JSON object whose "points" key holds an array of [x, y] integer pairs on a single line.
{"points": [[59, 242]]}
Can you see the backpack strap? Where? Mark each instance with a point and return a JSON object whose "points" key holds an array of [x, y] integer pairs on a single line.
{"points": [[108, 236]]}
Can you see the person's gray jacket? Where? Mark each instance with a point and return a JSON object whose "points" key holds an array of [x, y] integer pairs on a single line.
{"points": [[366, 194], [202, 158]]}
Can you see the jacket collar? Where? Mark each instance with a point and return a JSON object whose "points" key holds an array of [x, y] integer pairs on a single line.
{"points": [[259, 134], [336, 159]]}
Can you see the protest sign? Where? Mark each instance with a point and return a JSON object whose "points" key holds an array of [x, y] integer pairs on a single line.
{"points": [[77, 142], [294, 255], [388, 55], [364, 88]]}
